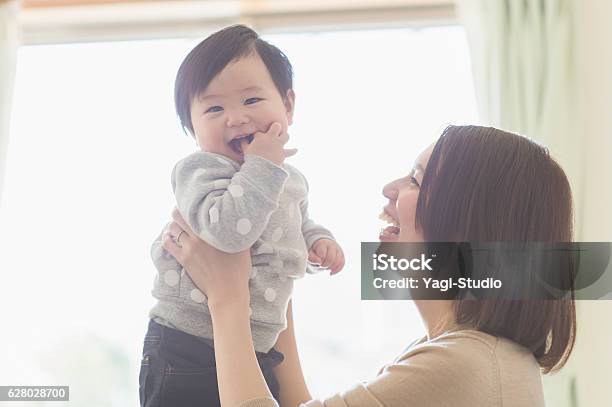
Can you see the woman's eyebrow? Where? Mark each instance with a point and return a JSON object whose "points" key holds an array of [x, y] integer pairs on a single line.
{"points": [[419, 167]]}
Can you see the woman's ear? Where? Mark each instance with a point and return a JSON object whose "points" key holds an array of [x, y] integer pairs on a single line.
{"points": [[290, 105]]}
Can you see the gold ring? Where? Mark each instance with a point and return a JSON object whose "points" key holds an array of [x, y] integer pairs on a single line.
{"points": [[178, 238]]}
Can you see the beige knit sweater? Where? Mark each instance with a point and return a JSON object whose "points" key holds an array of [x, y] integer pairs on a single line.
{"points": [[459, 369]]}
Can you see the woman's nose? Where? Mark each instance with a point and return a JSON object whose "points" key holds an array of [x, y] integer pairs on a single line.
{"points": [[390, 190]]}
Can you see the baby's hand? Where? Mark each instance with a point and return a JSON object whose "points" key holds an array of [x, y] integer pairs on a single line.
{"points": [[269, 145], [328, 254]]}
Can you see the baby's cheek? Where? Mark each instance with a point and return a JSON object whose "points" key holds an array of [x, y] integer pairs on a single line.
{"points": [[283, 122], [281, 118]]}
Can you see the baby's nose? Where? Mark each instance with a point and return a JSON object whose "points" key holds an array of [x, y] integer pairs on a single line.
{"points": [[237, 119]]}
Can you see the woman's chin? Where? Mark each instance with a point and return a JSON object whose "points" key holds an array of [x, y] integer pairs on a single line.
{"points": [[387, 238]]}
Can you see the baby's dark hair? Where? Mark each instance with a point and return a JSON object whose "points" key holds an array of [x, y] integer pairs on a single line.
{"points": [[212, 55]]}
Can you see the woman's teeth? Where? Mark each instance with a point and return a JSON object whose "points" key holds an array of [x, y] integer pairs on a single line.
{"points": [[389, 231], [384, 216]]}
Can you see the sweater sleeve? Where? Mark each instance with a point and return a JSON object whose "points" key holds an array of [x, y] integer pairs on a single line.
{"points": [[311, 230], [453, 373], [261, 402], [226, 206], [458, 372]]}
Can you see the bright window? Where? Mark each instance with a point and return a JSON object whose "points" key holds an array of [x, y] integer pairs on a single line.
{"points": [[94, 138]]}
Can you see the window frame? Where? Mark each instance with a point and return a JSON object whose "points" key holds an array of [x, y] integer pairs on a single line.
{"points": [[69, 21]]}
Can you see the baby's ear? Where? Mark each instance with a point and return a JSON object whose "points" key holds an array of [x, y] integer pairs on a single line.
{"points": [[289, 101]]}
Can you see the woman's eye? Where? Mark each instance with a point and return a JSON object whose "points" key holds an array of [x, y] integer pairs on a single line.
{"points": [[414, 181], [250, 101], [213, 109]]}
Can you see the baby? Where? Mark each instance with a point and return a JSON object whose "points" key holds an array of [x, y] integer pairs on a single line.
{"points": [[233, 93]]}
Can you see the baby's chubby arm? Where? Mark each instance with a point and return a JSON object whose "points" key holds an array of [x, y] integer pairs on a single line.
{"points": [[225, 205]]}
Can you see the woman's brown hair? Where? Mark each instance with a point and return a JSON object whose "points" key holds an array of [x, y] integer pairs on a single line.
{"points": [[482, 184]]}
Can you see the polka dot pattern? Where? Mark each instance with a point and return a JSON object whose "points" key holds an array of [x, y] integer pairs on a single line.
{"points": [[213, 213], [236, 190], [171, 277], [270, 294], [221, 183], [243, 226], [197, 296], [200, 172]]}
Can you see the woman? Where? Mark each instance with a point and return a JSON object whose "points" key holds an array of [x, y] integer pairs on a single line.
{"points": [[475, 184]]}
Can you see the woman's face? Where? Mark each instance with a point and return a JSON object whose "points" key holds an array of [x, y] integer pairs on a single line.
{"points": [[400, 211]]}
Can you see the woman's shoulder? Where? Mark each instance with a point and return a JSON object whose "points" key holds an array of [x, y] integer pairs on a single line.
{"points": [[470, 348], [460, 368], [495, 367]]}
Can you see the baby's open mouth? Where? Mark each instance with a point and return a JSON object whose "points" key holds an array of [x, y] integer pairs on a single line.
{"points": [[391, 231], [235, 144]]}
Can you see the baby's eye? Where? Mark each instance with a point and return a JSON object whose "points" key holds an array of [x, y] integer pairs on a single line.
{"points": [[214, 109], [250, 101]]}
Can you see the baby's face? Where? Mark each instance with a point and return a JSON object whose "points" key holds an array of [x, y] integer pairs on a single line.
{"points": [[241, 100]]}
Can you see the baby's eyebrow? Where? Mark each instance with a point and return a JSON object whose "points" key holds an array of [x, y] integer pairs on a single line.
{"points": [[250, 88], [203, 97]]}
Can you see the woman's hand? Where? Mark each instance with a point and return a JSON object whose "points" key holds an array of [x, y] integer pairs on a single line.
{"points": [[222, 277]]}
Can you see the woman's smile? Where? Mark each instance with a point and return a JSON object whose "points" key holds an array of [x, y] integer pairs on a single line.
{"points": [[389, 233]]}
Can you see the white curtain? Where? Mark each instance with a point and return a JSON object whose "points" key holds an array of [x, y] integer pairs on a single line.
{"points": [[9, 31], [523, 61], [543, 68]]}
